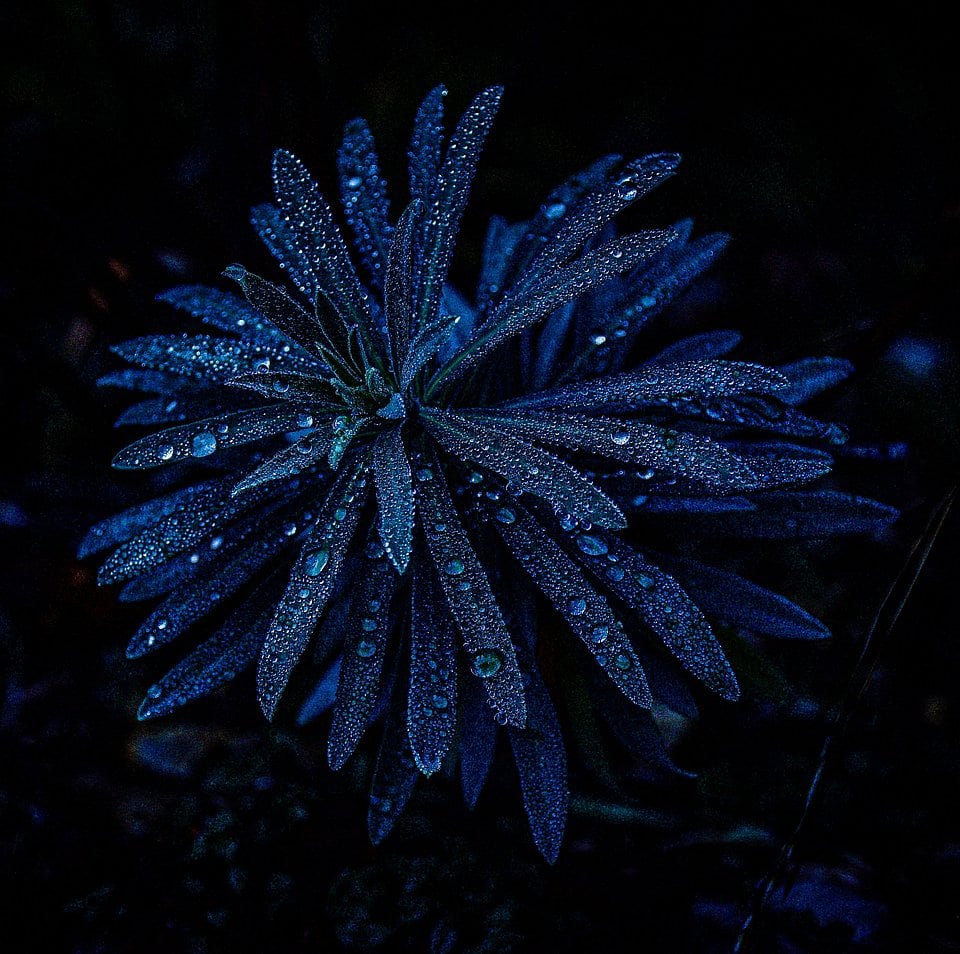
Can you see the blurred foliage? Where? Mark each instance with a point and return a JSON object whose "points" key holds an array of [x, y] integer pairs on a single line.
{"points": [[136, 136]]}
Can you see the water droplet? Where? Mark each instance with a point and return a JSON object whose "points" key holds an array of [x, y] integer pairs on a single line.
{"points": [[614, 573], [304, 420], [289, 529], [453, 567], [366, 648], [368, 625], [440, 701], [623, 662], [648, 301], [670, 439], [598, 339], [627, 190], [162, 623], [646, 581], [216, 542], [280, 386], [165, 452], [599, 634], [315, 562], [506, 515], [304, 593], [592, 546], [620, 438], [486, 662], [554, 210], [354, 182], [577, 607], [339, 514], [203, 445], [424, 474], [155, 691], [475, 477]]}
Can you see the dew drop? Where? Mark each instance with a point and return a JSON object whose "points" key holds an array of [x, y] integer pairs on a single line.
{"points": [[165, 452], [453, 567], [554, 210], [506, 515], [155, 691], [648, 301], [614, 573], [577, 607], [304, 420], [315, 562], [366, 648], [354, 182], [203, 445], [623, 662], [599, 634], [162, 623], [368, 624], [216, 543], [592, 546], [627, 190], [486, 662], [440, 701], [598, 339], [620, 438], [280, 386], [646, 581]]}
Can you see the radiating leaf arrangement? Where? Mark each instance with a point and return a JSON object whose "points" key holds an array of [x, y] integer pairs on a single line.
{"points": [[402, 498]]}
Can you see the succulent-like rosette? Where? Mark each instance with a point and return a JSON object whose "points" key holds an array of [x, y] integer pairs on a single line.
{"points": [[401, 499]]}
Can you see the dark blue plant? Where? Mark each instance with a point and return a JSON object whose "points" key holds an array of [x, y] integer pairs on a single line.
{"points": [[398, 494]]}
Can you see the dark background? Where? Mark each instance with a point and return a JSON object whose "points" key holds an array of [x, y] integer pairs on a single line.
{"points": [[135, 138]]}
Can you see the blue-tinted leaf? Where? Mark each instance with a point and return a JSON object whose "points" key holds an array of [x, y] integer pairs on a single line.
{"points": [[702, 347], [583, 608], [304, 454], [220, 309], [478, 740], [427, 342], [426, 148], [394, 485], [453, 186], [520, 311], [364, 196], [803, 514], [663, 606], [701, 461], [202, 438], [432, 700], [279, 308], [742, 603], [166, 410], [191, 521], [324, 694], [153, 382], [312, 583], [216, 661], [399, 288], [206, 358], [316, 393], [468, 593], [597, 208], [322, 245], [542, 766], [687, 378], [524, 465], [278, 236], [809, 376], [364, 649], [394, 775], [201, 596], [123, 526], [657, 504]]}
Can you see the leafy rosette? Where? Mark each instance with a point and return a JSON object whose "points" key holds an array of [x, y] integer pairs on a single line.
{"points": [[403, 501]]}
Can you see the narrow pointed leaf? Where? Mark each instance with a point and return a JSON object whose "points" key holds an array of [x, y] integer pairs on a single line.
{"points": [[737, 601], [363, 192], [426, 148], [304, 454], [663, 606], [542, 766], [312, 583], [478, 741], [519, 312], [432, 700], [200, 439], [528, 467], [399, 287], [394, 485], [277, 234], [467, 589], [215, 662], [394, 776], [364, 649], [206, 358], [220, 309], [810, 376], [583, 608]]}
